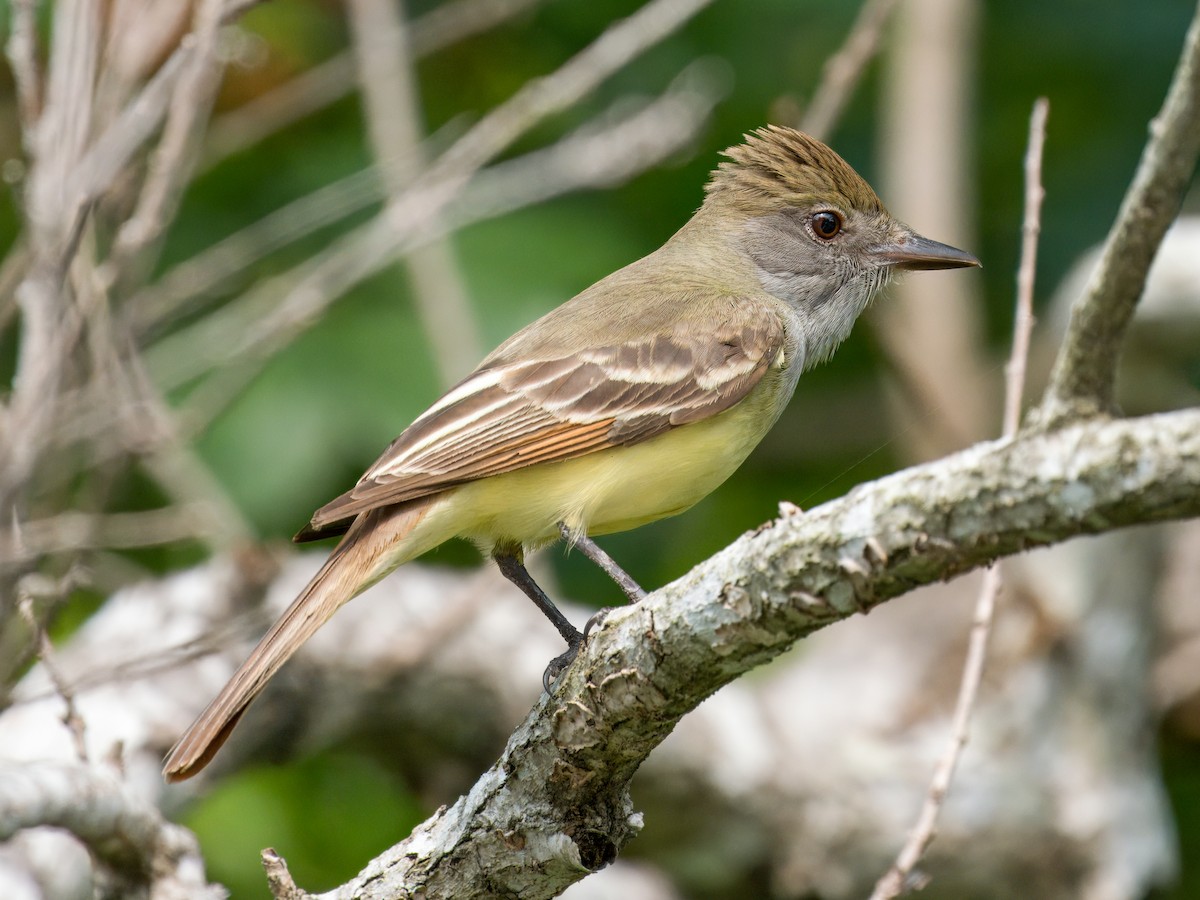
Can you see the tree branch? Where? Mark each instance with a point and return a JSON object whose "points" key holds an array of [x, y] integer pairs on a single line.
{"points": [[326, 83], [21, 50], [239, 338], [1084, 372], [899, 876], [388, 85], [555, 806], [123, 831], [174, 159]]}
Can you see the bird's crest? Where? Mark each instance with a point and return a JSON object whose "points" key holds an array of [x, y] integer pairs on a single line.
{"points": [[781, 166]]}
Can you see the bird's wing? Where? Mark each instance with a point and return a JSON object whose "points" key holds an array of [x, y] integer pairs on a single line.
{"points": [[511, 414]]}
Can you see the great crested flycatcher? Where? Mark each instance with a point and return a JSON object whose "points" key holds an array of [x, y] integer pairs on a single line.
{"points": [[628, 403]]}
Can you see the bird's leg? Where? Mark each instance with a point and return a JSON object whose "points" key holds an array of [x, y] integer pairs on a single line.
{"points": [[508, 560], [607, 564]]}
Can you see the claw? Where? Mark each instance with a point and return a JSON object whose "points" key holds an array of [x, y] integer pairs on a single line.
{"points": [[559, 664], [596, 620]]}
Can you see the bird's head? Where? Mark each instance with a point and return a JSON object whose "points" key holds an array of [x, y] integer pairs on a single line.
{"points": [[815, 232]]}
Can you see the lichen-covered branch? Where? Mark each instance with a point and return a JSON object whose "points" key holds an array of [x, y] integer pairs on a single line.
{"points": [[555, 806], [140, 848]]}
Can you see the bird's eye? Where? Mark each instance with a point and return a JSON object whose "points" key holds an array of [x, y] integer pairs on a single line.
{"points": [[826, 225]]}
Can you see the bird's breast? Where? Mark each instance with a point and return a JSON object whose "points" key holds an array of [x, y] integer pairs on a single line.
{"points": [[622, 487]]}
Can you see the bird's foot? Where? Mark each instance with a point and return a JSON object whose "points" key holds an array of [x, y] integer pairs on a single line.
{"points": [[559, 664]]}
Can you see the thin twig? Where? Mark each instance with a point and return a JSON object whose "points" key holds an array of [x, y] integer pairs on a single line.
{"points": [[1031, 228], [178, 468], [324, 84], [456, 20], [141, 117], [139, 38], [899, 877], [539, 98], [21, 49], [65, 126], [111, 151], [588, 158], [181, 290], [254, 121], [311, 287], [173, 160], [72, 531], [54, 221], [235, 9], [843, 70], [12, 273], [1082, 380], [387, 83], [45, 653]]}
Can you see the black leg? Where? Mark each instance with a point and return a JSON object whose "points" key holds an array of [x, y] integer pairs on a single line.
{"points": [[607, 564], [512, 568]]}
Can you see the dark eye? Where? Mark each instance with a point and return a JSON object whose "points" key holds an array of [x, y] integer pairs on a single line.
{"points": [[826, 225]]}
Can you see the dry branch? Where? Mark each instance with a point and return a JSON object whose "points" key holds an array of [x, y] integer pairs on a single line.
{"points": [[1084, 372], [387, 79], [142, 850], [556, 806]]}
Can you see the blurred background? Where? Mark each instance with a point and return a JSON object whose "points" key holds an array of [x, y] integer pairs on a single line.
{"points": [[283, 349]]}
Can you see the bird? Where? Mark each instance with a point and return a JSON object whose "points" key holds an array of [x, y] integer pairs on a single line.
{"points": [[627, 404]]}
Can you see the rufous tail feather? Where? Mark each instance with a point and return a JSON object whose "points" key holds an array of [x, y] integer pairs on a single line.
{"points": [[352, 566]]}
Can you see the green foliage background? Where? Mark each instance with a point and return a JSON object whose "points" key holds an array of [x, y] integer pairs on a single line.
{"points": [[325, 407]]}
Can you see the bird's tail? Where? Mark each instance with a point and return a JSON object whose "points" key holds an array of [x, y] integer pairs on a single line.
{"points": [[370, 549]]}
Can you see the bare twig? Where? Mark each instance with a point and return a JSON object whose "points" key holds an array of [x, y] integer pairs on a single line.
{"points": [[139, 38], [55, 221], [173, 161], [279, 879], [45, 653], [190, 63], [183, 287], [176, 466], [899, 877], [265, 324], [537, 99], [235, 9], [843, 70], [140, 118], [602, 153], [72, 531], [318, 87], [64, 128], [244, 127], [12, 272], [591, 158], [386, 79], [1027, 271], [1083, 377], [21, 49], [457, 20]]}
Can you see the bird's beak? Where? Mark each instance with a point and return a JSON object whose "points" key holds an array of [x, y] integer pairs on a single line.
{"points": [[911, 251]]}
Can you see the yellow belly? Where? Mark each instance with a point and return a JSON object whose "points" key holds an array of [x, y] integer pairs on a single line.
{"points": [[612, 490]]}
